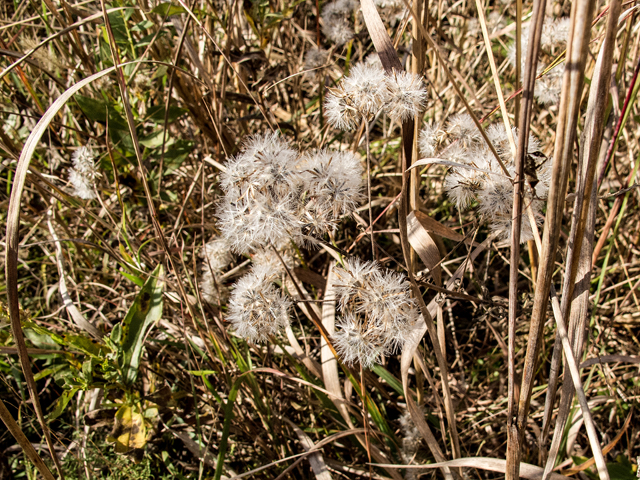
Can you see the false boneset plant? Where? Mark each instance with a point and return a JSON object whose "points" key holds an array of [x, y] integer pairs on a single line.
{"points": [[478, 176], [275, 197]]}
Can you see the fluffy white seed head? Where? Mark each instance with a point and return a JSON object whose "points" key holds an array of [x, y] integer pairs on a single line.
{"points": [[315, 58], [336, 24], [378, 313], [502, 223], [361, 95], [339, 31], [83, 174], [257, 310], [273, 195], [216, 254], [335, 183], [213, 292], [406, 96], [464, 128], [428, 140], [554, 34], [357, 342], [261, 205]]}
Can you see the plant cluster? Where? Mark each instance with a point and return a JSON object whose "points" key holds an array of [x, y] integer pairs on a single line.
{"points": [[477, 175]]}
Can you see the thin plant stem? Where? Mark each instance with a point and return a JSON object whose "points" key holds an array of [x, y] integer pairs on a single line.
{"points": [[373, 245]]}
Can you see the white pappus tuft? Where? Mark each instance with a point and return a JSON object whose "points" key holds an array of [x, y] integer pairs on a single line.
{"points": [[335, 184], [336, 24], [406, 96], [274, 195], [554, 34], [378, 313], [480, 177], [315, 58], [216, 255], [368, 90], [83, 174], [257, 310]]}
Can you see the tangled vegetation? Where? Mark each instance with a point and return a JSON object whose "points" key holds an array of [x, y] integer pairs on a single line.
{"points": [[330, 239]]}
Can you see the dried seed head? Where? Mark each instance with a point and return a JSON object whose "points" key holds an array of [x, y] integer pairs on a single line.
{"points": [[257, 310], [83, 174], [216, 254], [377, 312], [335, 184], [406, 96], [336, 23], [315, 58], [361, 95], [428, 140]]}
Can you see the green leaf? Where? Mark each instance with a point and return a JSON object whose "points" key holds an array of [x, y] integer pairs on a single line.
{"points": [[156, 113], [167, 10], [143, 313], [622, 469], [100, 111], [62, 403], [84, 344], [134, 278], [174, 156]]}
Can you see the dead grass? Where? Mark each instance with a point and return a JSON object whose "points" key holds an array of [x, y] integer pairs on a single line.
{"points": [[237, 71]]}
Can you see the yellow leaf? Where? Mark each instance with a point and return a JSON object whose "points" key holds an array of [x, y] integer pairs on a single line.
{"points": [[129, 431]]}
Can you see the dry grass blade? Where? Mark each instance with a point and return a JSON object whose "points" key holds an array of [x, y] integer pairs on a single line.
{"points": [[582, 13], [329, 362], [24, 442], [589, 154], [425, 247], [589, 463], [494, 75], [527, 471], [315, 459], [72, 310], [513, 434], [380, 37], [13, 244]]}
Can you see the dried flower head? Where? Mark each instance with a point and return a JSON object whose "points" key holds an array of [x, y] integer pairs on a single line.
{"points": [[361, 95], [257, 310], [336, 24], [335, 185], [554, 34], [217, 254], [315, 58], [367, 91], [260, 206], [479, 176], [83, 174], [406, 96], [428, 140], [213, 292], [377, 312], [274, 195]]}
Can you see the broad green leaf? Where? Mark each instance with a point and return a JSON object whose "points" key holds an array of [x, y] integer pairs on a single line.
{"points": [[156, 113], [622, 469], [143, 313], [84, 344], [49, 371], [134, 278]]}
